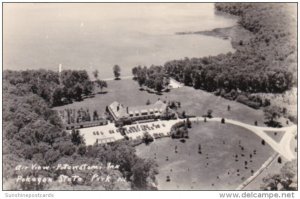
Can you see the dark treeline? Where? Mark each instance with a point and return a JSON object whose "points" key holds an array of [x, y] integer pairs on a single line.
{"points": [[152, 77], [221, 72], [33, 134], [264, 63], [55, 89]]}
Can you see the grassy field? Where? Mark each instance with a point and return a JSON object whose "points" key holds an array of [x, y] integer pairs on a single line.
{"points": [[216, 168], [194, 102], [272, 169], [188, 169], [277, 136]]}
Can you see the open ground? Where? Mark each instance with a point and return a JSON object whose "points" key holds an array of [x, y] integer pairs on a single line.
{"points": [[193, 102], [216, 167]]}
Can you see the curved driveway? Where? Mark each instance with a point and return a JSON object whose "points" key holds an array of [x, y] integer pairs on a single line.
{"points": [[283, 147]]}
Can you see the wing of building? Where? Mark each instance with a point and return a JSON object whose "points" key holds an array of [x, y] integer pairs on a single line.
{"points": [[120, 112]]}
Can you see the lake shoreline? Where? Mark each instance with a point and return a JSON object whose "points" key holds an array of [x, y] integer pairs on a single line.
{"points": [[236, 34]]}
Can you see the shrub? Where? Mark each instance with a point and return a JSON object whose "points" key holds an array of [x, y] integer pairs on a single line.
{"points": [[179, 130], [279, 160], [245, 100], [223, 121], [209, 113], [147, 138]]}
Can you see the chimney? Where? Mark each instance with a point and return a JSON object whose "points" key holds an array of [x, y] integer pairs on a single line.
{"points": [[127, 109]]}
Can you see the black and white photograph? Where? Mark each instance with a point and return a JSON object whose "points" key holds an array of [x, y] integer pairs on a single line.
{"points": [[153, 96]]}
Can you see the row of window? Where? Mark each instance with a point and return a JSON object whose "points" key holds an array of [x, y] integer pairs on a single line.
{"points": [[144, 113], [88, 124]]}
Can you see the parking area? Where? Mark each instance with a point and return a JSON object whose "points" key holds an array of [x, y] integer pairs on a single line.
{"points": [[109, 133]]}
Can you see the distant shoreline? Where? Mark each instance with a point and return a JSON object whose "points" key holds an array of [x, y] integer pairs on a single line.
{"points": [[234, 33], [223, 33]]}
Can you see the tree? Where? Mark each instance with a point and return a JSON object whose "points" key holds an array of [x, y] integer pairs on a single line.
{"points": [[81, 150], [144, 172], [95, 115], [228, 108], [209, 113], [272, 113], [51, 156], [88, 88], [223, 121], [117, 71], [189, 123], [286, 180], [147, 138], [148, 102], [141, 80], [158, 83], [199, 149], [134, 72], [78, 92], [57, 96], [183, 114], [95, 73], [33, 133], [101, 84], [168, 179], [76, 138]]}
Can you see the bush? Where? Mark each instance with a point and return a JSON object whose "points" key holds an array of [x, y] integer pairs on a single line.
{"points": [[179, 130], [232, 95], [273, 123], [279, 160], [209, 113], [223, 121], [189, 123], [147, 138], [245, 100], [293, 119]]}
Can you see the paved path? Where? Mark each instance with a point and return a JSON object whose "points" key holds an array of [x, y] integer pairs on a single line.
{"points": [[283, 147], [258, 172], [175, 84]]}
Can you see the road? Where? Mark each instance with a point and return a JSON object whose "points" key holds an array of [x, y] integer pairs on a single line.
{"points": [[283, 147]]}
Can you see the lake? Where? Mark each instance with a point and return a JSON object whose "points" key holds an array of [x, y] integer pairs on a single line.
{"points": [[98, 36]]}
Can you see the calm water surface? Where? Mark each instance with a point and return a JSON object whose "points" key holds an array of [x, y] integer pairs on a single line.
{"points": [[97, 36]]}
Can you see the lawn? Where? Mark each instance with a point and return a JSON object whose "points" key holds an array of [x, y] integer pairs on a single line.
{"points": [[188, 169], [276, 136], [216, 168], [194, 102]]}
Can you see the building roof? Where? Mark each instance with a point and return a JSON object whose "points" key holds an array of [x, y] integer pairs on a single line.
{"points": [[119, 111], [159, 105]]}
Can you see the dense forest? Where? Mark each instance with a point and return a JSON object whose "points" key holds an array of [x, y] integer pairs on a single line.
{"points": [[33, 134], [264, 62], [267, 63], [55, 89]]}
